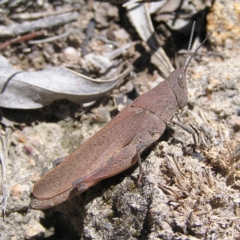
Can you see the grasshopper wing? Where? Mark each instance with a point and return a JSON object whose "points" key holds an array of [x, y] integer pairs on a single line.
{"points": [[92, 154]]}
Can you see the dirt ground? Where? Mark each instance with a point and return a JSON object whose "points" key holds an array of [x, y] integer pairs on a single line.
{"points": [[187, 192]]}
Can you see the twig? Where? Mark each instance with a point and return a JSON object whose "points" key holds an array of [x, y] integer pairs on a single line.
{"points": [[105, 40], [115, 53], [5, 146], [4, 186], [4, 177], [37, 15], [89, 34], [43, 23], [50, 39], [21, 39]]}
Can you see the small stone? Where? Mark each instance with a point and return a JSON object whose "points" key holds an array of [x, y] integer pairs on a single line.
{"points": [[34, 230], [22, 139], [213, 81], [18, 189], [121, 34], [32, 162], [101, 115], [71, 54], [235, 121]]}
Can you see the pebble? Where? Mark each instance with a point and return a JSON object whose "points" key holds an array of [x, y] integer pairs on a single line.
{"points": [[71, 54], [34, 230], [18, 189]]}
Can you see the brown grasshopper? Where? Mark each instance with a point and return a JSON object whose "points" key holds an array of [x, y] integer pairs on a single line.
{"points": [[118, 145]]}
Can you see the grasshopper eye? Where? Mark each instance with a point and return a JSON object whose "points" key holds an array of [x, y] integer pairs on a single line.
{"points": [[181, 80]]}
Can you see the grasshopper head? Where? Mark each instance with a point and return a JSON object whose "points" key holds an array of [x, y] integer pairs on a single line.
{"points": [[177, 79], [178, 84]]}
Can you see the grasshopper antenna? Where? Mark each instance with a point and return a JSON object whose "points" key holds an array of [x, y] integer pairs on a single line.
{"points": [[188, 59], [189, 46]]}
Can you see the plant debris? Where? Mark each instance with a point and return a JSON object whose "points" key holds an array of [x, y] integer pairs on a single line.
{"points": [[187, 191]]}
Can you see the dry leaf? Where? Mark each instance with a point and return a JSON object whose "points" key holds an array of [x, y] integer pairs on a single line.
{"points": [[29, 90], [138, 14]]}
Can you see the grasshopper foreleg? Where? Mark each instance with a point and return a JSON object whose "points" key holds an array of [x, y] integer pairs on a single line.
{"points": [[140, 168]]}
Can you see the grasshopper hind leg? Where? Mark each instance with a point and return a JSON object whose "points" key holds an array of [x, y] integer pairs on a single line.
{"points": [[150, 130], [119, 162]]}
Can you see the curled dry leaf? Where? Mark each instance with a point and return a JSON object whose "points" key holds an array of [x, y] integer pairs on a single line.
{"points": [[29, 90], [138, 14]]}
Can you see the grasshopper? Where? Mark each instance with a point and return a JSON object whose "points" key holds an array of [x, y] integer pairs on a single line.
{"points": [[118, 145]]}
